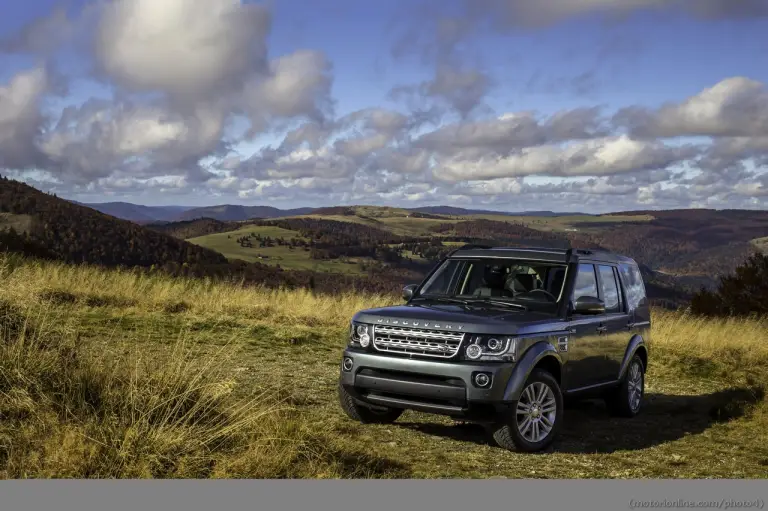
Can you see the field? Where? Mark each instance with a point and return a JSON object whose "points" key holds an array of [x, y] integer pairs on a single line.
{"points": [[401, 223], [564, 223], [117, 374], [396, 224], [297, 259], [397, 221]]}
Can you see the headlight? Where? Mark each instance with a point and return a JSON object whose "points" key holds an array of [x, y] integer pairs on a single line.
{"points": [[492, 348], [359, 334]]}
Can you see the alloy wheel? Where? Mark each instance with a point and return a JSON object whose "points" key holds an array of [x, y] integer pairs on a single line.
{"points": [[635, 384], [536, 412]]}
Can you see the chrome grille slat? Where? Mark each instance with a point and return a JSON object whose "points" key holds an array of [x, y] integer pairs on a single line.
{"points": [[417, 341]]}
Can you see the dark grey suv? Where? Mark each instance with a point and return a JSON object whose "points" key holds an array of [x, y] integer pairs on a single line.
{"points": [[500, 336]]}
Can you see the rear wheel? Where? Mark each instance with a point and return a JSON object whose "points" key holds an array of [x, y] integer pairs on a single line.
{"points": [[364, 414], [536, 418], [626, 399]]}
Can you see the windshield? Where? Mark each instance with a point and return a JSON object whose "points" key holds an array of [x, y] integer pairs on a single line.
{"points": [[514, 280]]}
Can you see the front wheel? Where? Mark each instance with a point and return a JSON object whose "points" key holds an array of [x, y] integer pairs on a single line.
{"points": [[537, 417], [625, 400], [365, 414]]}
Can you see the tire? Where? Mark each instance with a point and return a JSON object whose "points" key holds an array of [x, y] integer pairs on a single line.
{"points": [[513, 433], [624, 400], [364, 414]]}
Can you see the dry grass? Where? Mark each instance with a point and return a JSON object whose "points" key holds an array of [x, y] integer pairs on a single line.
{"points": [[67, 412], [121, 374], [729, 348], [35, 282]]}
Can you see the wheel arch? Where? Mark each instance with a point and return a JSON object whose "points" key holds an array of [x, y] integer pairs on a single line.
{"points": [[636, 346], [541, 355]]}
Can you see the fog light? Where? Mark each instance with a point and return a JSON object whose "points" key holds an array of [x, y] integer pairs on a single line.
{"points": [[474, 351], [347, 364], [365, 340], [482, 380]]}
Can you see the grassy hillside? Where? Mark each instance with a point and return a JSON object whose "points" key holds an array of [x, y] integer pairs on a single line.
{"points": [[226, 243], [110, 373]]}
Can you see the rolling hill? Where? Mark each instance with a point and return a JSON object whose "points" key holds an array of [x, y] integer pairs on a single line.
{"points": [[455, 211], [234, 213], [136, 212]]}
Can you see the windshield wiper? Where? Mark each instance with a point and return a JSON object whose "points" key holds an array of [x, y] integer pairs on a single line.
{"points": [[446, 299], [500, 302]]}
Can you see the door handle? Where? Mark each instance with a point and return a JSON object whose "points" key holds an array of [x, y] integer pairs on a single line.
{"points": [[601, 329]]}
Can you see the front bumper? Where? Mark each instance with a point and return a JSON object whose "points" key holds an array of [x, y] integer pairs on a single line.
{"points": [[431, 386]]}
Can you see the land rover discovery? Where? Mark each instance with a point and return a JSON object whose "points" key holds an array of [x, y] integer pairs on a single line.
{"points": [[500, 336]]}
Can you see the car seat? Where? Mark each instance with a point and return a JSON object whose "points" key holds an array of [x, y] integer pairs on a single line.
{"points": [[493, 282], [517, 283]]}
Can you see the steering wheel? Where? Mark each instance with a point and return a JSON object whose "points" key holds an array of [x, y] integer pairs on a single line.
{"points": [[549, 295]]}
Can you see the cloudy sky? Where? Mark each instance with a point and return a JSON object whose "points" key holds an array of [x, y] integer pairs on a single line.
{"points": [[592, 105]]}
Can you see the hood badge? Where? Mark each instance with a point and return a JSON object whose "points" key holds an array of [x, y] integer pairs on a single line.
{"points": [[426, 324]]}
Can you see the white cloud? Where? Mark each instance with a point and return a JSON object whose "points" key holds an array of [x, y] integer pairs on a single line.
{"points": [[21, 119], [606, 156], [190, 48], [298, 85], [734, 107], [100, 138]]}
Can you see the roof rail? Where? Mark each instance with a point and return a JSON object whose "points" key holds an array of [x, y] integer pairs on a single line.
{"points": [[474, 245], [467, 246], [588, 251]]}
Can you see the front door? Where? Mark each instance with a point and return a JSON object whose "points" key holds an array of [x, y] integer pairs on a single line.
{"points": [[590, 348], [615, 321]]}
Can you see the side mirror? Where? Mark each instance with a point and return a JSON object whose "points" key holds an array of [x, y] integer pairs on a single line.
{"points": [[589, 305], [408, 291]]}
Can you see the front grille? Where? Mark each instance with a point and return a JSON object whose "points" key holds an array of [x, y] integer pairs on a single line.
{"points": [[417, 341]]}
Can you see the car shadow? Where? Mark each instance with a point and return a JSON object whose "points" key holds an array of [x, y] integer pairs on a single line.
{"points": [[590, 428]]}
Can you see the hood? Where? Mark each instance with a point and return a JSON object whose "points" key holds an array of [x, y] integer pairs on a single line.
{"points": [[463, 318]]}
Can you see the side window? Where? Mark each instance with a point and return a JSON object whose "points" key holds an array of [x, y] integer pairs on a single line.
{"points": [[633, 284], [610, 289], [586, 282]]}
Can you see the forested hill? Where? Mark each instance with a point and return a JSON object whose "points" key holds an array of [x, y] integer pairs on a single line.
{"points": [[62, 230], [42, 225]]}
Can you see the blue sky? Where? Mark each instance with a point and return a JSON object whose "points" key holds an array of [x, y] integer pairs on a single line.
{"points": [[444, 138]]}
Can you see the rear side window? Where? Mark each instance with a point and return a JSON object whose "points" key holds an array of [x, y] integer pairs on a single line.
{"points": [[633, 284], [610, 289], [586, 282]]}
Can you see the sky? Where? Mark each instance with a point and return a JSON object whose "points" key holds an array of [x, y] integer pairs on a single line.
{"points": [[562, 105]]}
